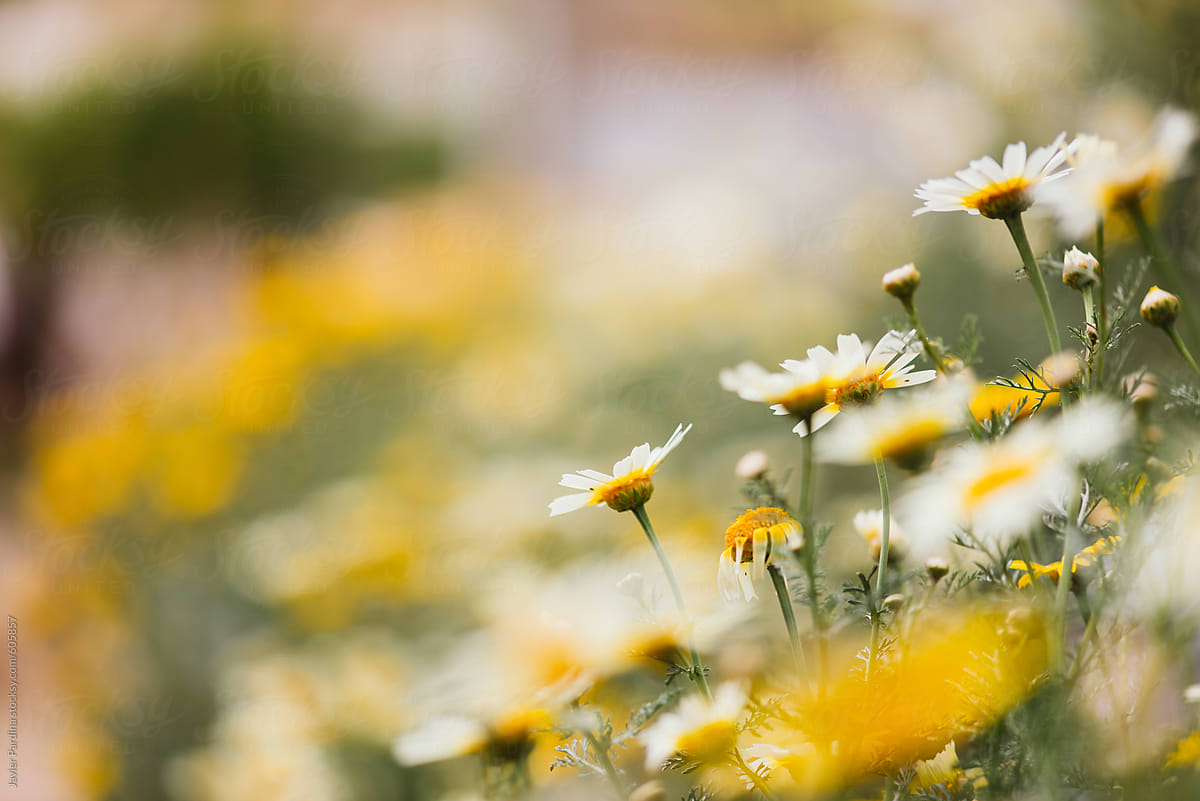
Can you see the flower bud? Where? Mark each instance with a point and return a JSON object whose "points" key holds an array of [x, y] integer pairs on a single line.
{"points": [[751, 466], [1080, 270], [1160, 308], [937, 568], [893, 601], [902, 282]]}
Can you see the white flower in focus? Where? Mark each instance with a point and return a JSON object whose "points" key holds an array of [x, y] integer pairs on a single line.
{"points": [[902, 428], [858, 374], [628, 486], [1106, 179], [799, 390], [999, 490], [996, 190], [749, 542], [701, 729]]}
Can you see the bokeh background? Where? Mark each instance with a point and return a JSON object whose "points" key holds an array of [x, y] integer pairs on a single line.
{"points": [[305, 307]]}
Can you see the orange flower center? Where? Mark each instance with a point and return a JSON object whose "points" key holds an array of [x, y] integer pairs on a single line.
{"points": [[627, 492]]}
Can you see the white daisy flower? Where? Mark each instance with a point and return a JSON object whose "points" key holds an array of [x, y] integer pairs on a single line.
{"points": [[749, 541], [628, 486], [701, 729], [899, 428], [799, 390], [996, 190], [999, 490], [858, 374], [1106, 180]]}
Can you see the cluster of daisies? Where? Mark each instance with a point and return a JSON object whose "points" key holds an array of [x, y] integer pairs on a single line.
{"points": [[1043, 488]]}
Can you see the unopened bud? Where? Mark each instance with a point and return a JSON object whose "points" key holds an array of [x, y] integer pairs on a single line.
{"points": [[893, 601], [1080, 270], [902, 282], [937, 568], [1160, 308], [751, 466]]}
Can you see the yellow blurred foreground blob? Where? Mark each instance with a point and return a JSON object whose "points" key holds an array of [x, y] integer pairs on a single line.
{"points": [[947, 682]]}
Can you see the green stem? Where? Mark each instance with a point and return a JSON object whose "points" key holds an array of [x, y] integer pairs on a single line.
{"points": [[789, 616], [1101, 305], [808, 525], [1017, 229], [1065, 575], [1182, 348], [639, 512], [1089, 311], [1168, 273], [930, 351], [881, 571], [606, 765]]}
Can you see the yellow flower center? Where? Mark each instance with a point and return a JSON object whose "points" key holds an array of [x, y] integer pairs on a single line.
{"points": [[626, 492], [710, 741], [1001, 200], [1001, 476], [1123, 194], [910, 442], [857, 391], [803, 401]]}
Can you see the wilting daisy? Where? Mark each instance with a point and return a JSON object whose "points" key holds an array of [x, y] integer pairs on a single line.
{"points": [[629, 485], [999, 490], [700, 729], [903, 428], [799, 390], [1106, 180], [749, 542], [996, 190], [858, 374]]}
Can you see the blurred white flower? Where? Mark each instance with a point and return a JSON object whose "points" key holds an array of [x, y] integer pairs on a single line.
{"points": [[858, 374], [998, 491], [799, 390], [1106, 179], [628, 486], [996, 190], [701, 729], [903, 427]]}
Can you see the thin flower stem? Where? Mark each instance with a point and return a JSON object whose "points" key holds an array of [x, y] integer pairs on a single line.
{"points": [[1101, 305], [1021, 240], [1063, 594], [808, 525], [881, 571], [789, 616], [1182, 348], [697, 667], [607, 766], [930, 351], [1164, 265], [1089, 312]]}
